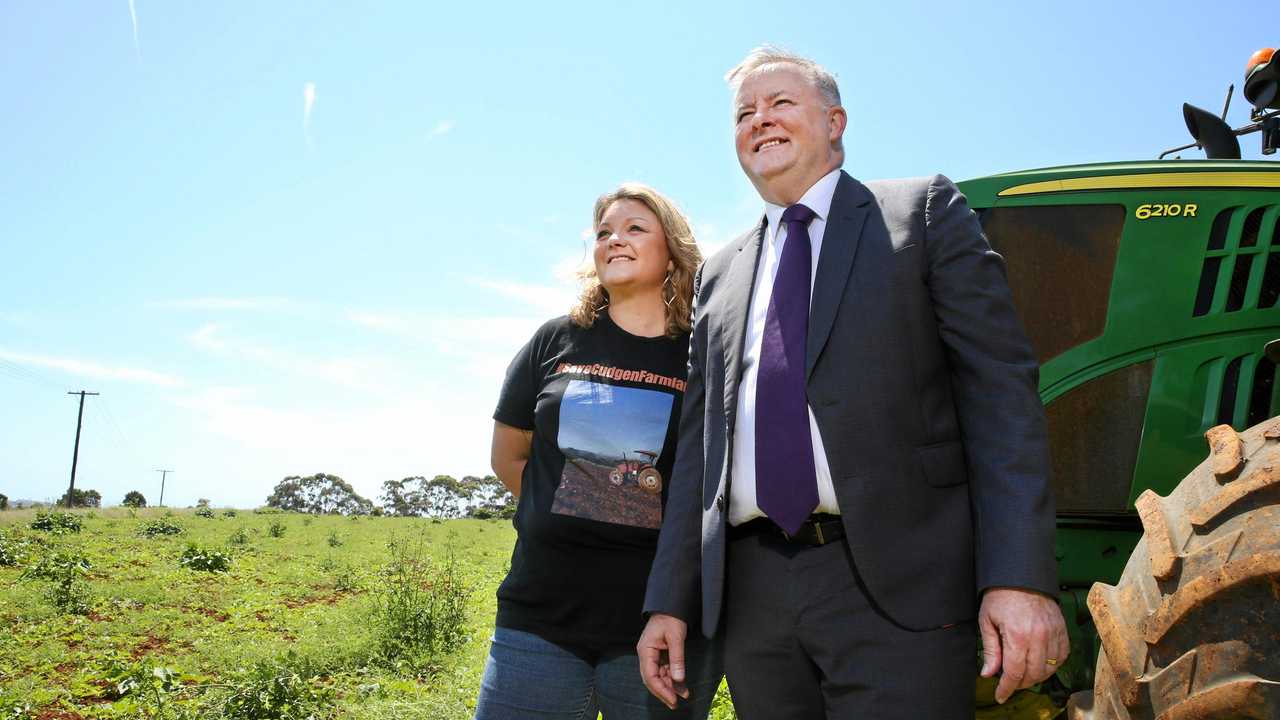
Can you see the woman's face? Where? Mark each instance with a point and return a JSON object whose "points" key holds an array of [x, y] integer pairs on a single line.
{"points": [[631, 248]]}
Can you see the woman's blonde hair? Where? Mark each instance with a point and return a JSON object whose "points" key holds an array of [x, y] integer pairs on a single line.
{"points": [[677, 290]]}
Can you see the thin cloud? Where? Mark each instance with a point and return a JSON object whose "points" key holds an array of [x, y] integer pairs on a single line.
{"points": [[378, 321], [227, 303], [204, 337], [541, 299], [366, 443], [21, 318], [82, 368], [569, 268], [710, 238], [133, 17], [349, 372], [476, 347], [444, 127], [308, 102]]}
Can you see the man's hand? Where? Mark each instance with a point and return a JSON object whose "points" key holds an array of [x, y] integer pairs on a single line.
{"points": [[661, 651], [1022, 631]]}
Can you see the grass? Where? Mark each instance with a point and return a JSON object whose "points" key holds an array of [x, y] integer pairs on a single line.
{"points": [[295, 617], [313, 618], [296, 592]]}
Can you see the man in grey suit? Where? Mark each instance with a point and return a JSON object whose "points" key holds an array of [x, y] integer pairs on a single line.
{"points": [[862, 471]]}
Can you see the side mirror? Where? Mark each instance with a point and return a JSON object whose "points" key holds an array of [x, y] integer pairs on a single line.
{"points": [[1212, 133], [1261, 91], [1262, 80]]}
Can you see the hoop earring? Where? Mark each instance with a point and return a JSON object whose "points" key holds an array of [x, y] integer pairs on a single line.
{"points": [[668, 284]]}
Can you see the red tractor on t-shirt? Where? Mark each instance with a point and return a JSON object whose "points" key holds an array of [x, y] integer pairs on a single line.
{"points": [[640, 472]]}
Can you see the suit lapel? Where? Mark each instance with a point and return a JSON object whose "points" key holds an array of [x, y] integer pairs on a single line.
{"points": [[849, 206], [733, 316]]}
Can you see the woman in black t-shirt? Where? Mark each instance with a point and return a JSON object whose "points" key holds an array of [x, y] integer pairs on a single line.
{"points": [[584, 435]]}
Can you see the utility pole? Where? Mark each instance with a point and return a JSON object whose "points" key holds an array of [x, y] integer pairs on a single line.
{"points": [[163, 475], [75, 454]]}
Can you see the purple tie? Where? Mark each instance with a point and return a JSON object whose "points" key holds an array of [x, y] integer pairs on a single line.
{"points": [[786, 481]]}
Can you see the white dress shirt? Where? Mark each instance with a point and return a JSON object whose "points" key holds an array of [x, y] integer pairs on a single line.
{"points": [[742, 492]]}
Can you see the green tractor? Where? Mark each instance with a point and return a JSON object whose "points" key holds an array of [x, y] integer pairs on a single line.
{"points": [[1149, 291]]}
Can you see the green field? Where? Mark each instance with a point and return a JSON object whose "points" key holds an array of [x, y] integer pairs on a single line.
{"points": [[300, 609], [295, 628]]}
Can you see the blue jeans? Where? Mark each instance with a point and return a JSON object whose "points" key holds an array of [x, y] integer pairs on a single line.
{"points": [[528, 677]]}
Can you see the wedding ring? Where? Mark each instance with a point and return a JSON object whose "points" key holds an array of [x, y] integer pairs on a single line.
{"points": [[1051, 661]]}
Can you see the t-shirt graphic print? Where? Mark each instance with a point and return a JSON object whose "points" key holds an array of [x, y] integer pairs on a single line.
{"points": [[611, 437], [603, 409]]}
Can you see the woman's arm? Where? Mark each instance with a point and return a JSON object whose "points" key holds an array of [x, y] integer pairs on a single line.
{"points": [[509, 453]]}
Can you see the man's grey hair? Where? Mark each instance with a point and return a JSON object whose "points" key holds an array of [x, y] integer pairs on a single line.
{"points": [[768, 57]]}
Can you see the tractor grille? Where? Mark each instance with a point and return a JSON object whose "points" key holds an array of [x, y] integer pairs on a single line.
{"points": [[1241, 268], [1245, 394]]}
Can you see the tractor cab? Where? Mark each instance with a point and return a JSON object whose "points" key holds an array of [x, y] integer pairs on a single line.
{"points": [[1149, 290]]}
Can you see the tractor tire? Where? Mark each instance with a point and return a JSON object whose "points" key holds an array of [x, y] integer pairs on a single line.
{"points": [[650, 480], [1192, 630], [615, 476]]}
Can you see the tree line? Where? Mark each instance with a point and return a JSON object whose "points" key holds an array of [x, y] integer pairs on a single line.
{"points": [[442, 496]]}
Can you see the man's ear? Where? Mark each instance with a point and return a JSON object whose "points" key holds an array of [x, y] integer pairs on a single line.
{"points": [[837, 120]]}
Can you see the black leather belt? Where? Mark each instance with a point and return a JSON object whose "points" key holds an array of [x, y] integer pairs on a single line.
{"points": [[819, 529]]}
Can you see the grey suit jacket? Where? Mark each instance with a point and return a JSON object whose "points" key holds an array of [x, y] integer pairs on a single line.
{"points": [[924, 390]]}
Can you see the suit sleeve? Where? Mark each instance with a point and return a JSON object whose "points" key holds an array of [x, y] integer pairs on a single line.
{"points": [[674, 579], [994, 380]]}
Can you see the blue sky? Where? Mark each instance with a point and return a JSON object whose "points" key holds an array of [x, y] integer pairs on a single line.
{"points": [[613, 420], [287, 238]]}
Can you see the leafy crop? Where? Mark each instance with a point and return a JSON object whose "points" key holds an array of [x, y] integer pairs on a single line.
{"points": [[150, 681], [239, 537], [10, 554], [420, 608], [284, 689], [159, 526], [218, 631], [13, 707], [204, 512], [333, 540], [66, 570], [276, 529], [347, 579], [14, 549], [198, 558], [144, 689], [52, 567], [57, 523]]}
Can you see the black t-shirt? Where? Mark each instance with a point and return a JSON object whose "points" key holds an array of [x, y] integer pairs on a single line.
{"points": [[603, 406]]}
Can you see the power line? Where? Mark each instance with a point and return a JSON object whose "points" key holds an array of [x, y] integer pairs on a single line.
{"points": [[26, 369], [19, 372], [125, 440]]}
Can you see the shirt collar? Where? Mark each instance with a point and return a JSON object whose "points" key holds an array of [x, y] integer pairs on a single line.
{"points": [[817, 198]]}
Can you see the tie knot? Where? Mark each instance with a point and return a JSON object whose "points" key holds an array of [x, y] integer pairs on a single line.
{"points": [[798, 213]]}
